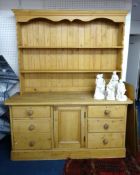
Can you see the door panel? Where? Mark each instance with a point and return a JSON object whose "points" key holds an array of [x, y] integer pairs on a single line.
{"points": [[69, 127]]}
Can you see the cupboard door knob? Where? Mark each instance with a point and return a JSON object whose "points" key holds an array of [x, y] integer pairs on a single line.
{"points": [[106, 126], [31, 128], [107, 112], [31, 143], [29, 112], [105, 141]]}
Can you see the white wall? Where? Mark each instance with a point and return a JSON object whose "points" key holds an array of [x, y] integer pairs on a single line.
{"points": [[135, 23], [135, 10], [8, 45], [135, 27], [134, 62], [8, 42], [66, 4], [133, 66]]}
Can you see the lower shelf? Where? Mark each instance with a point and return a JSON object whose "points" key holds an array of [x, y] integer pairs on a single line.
{"points": [[69, 71], [65, 154]]}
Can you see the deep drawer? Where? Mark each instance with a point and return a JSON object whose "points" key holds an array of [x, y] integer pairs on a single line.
{"points": [[32, 141], [113, 111], [106, 125], [34, 125], [106, 140]]}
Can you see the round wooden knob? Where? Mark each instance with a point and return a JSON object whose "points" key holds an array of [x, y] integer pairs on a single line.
{"points": [[107, 112], [31, 143], [31, 128], [29, 112], [105, 141], [106, 126]]}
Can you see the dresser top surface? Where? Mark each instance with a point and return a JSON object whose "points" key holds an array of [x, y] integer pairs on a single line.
{"points": [[60, 98], [70, 12], [58, 15]]}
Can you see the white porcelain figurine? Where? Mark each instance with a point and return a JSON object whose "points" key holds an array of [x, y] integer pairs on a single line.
{"points": [[111, 88], [121, 91], [100, 88], [114, 79], [110, 91]]}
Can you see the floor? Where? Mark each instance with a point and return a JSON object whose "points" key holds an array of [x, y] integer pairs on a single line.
{"points": [[8, 167]]}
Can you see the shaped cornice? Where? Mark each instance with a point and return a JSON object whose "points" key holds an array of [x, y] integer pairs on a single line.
{"points": [[70, 15]]}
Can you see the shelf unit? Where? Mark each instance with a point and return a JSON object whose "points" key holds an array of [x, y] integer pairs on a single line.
{"points": [[65, 50], [60, 55]]}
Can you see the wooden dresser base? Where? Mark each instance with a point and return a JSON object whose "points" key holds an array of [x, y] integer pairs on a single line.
{"points": [[61, 126]]}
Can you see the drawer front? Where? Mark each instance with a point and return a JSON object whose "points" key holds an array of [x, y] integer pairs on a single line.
{"points": [[30, 111], [113, 111], [34, 125], [106, 140], [106, 125], [32, 141]]}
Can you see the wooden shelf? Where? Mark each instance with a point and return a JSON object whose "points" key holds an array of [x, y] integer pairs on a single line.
{"points": [[68, 71], [45, 47], [60, 55], [67, 56]]}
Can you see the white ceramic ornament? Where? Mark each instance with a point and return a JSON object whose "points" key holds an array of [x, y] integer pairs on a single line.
{"points": [[110, 91], [100, 88], [121, 91], [114, 79], [111, 88]]}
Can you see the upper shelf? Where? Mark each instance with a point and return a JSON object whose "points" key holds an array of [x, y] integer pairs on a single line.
{"points": [[70, 15], [72, 47], [68, 71]]}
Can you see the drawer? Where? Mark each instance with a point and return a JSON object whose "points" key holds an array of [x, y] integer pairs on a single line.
{"points": [[113, 111], [30, 111], [106, 125], [34, 125], [106, 140], [32, 141]]}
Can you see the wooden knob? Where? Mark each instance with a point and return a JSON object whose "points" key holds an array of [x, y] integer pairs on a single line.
{"points": [[31, 128], [29, 112], [105, 141], [31, 143], [107, 112], [106, 126], [49, 139]]}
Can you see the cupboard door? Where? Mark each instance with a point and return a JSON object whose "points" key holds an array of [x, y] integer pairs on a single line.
{"points": [[69, 127]]}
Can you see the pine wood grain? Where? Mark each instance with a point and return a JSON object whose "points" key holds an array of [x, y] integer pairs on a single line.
{"points": [[60, 55]]}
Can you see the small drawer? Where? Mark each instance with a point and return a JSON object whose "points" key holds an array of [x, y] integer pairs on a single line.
{"points": [[113, 111], [35, 125], [26, 141], [106, 125], [30, 111], [106, 140]]}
